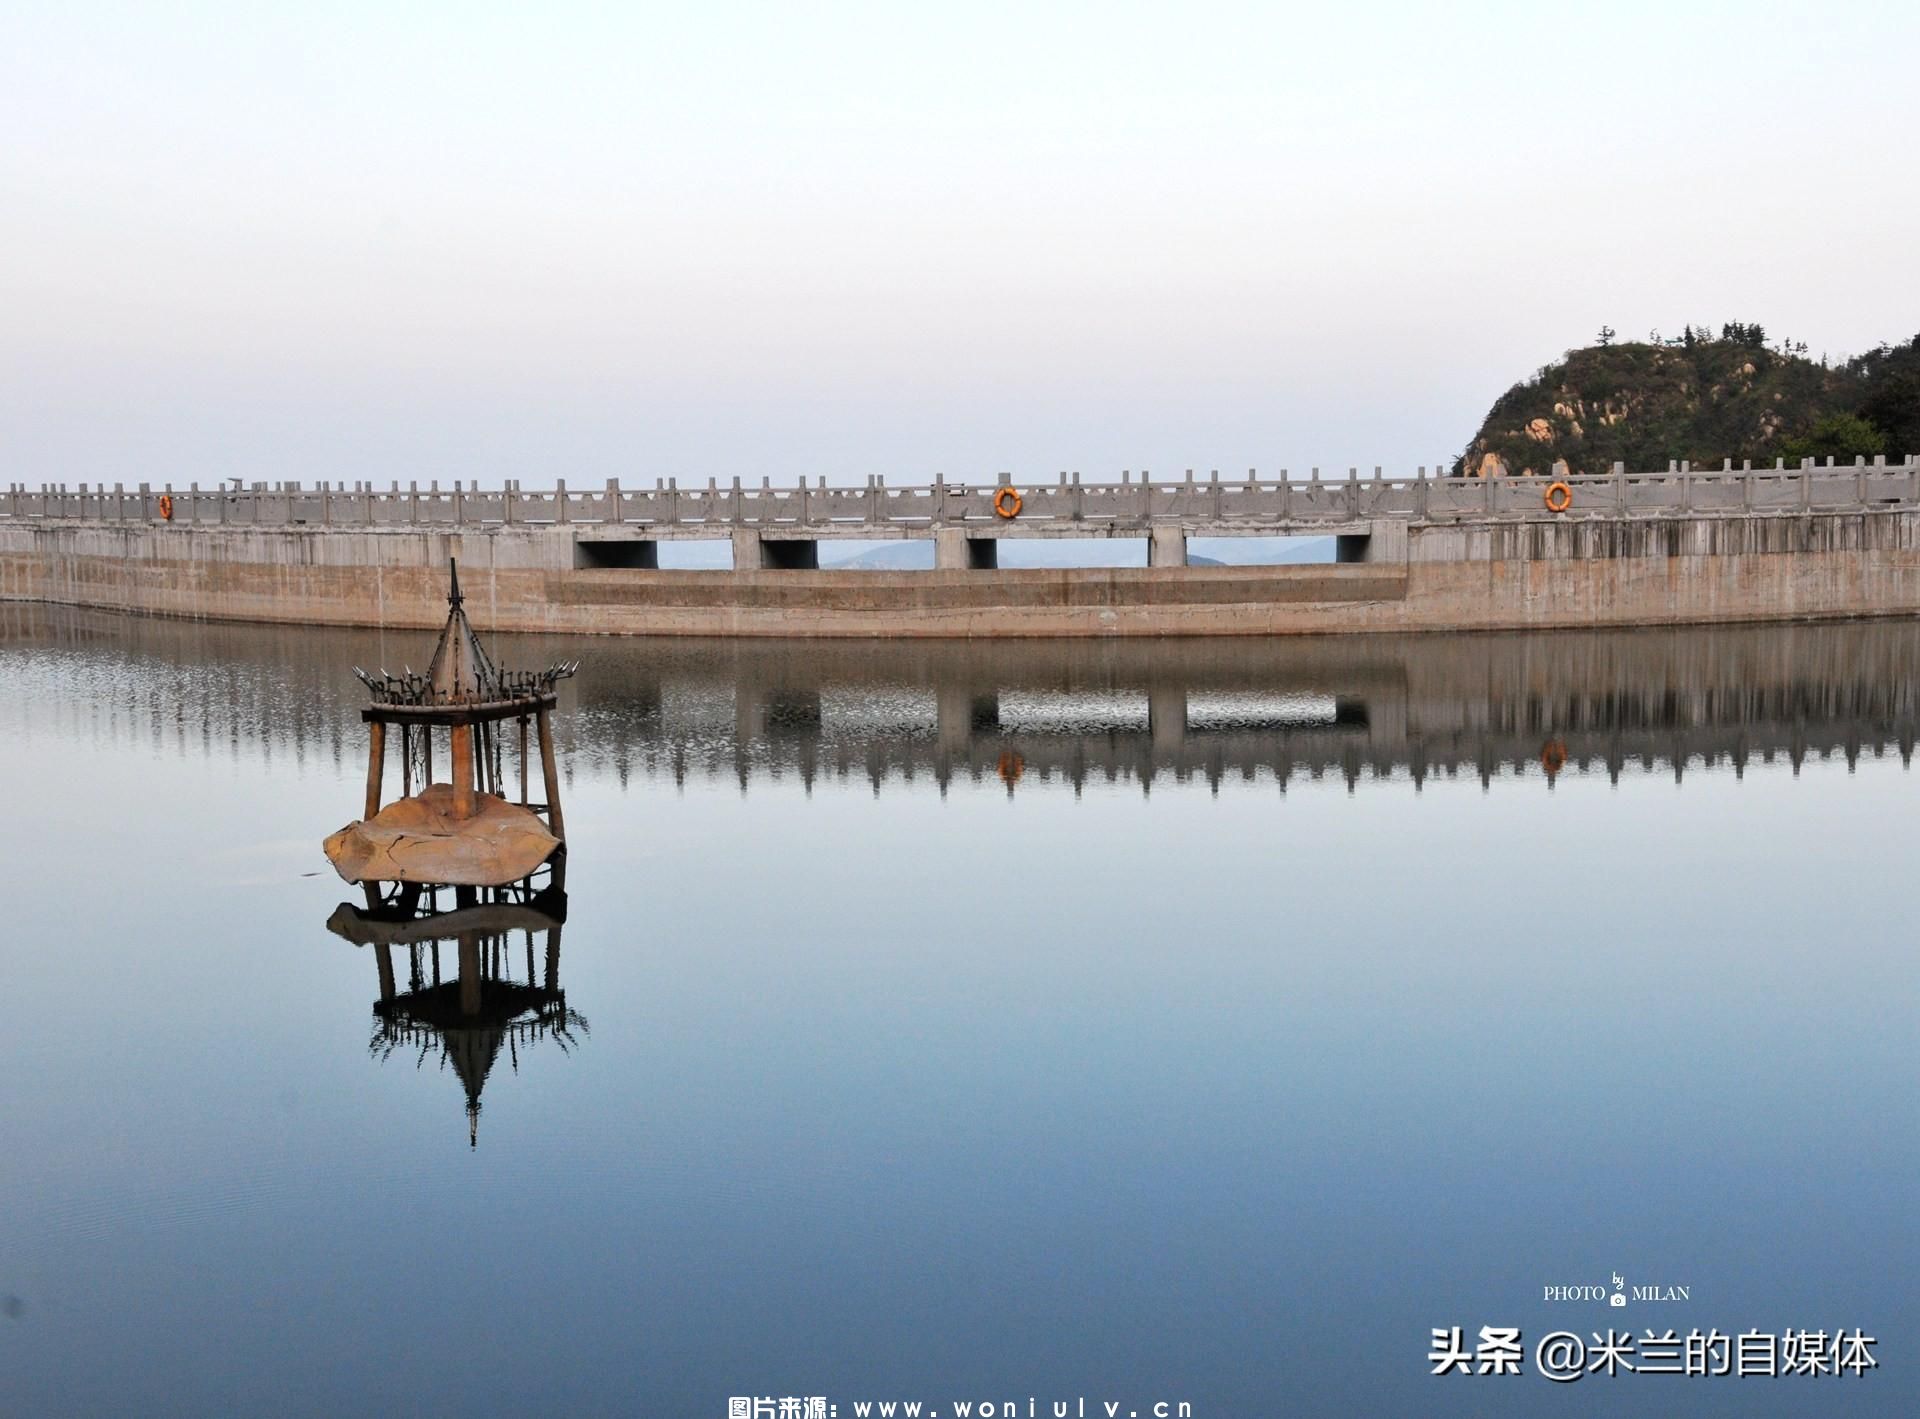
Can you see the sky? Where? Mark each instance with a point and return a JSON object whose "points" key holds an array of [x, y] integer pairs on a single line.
{"points": [[632, 240]]}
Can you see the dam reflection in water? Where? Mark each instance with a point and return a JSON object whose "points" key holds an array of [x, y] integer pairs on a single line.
{"points": [[1357, 708], [1067, 712]]}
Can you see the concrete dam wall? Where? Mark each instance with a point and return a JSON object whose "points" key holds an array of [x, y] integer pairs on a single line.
{"points": [[1415, 554]]}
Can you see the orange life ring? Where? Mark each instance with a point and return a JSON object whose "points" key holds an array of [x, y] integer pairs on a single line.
{"points": [[1559, 497], [1553, 757], [1010, 767], [1008, 502], [166, 507]]}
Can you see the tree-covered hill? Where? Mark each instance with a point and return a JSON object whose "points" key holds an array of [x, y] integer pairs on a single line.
{"points": [[1702, 398]]}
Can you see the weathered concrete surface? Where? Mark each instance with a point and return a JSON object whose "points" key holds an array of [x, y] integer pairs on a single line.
{"points": [[1167, 547], [956, 549], [1410, 577]]}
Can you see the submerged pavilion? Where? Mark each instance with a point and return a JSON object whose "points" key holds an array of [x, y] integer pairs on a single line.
{"points": [[463, 830]]}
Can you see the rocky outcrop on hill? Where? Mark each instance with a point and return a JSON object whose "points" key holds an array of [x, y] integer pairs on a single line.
{"points": [[1701, 399]]}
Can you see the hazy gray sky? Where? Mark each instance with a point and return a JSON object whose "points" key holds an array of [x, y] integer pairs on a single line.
{"points": [[593, 240]]}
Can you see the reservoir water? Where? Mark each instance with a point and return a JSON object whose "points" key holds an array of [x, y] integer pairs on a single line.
{"points": [[1137, 1022]]}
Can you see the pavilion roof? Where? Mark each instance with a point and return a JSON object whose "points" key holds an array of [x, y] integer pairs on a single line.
{"points": [[510, 1014], [460, 669], [461, 673]]}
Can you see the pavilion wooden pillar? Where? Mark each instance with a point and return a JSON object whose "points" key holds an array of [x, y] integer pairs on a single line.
{"points": [[383, 953], [523, 761], [469, 973], [376, 764], [463, 770], [556, 822]]}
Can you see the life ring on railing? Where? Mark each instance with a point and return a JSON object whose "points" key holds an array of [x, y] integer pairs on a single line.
{"points": [[166, 507], [1010, 767], [1559, 497], [1008, 502], [1553, 757]]}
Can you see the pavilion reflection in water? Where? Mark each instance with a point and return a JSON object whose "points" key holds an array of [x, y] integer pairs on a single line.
{"points": [[500, 991]]}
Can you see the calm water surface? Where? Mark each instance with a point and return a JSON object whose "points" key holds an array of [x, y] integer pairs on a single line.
{"points": [[1168, 1022]]}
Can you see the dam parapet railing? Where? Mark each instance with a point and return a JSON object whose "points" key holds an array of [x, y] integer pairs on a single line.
{"points": [[1064, 507]]}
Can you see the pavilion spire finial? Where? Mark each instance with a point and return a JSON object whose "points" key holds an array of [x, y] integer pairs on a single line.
{"points": [[454, 598]]}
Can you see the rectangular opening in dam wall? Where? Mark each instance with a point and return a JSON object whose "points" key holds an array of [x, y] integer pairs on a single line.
{"points": [[788, 555], [642, 554], [635, 554], [850, 555], [1259, 551], [696, 555], [945, 552], [1050, 552]]}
